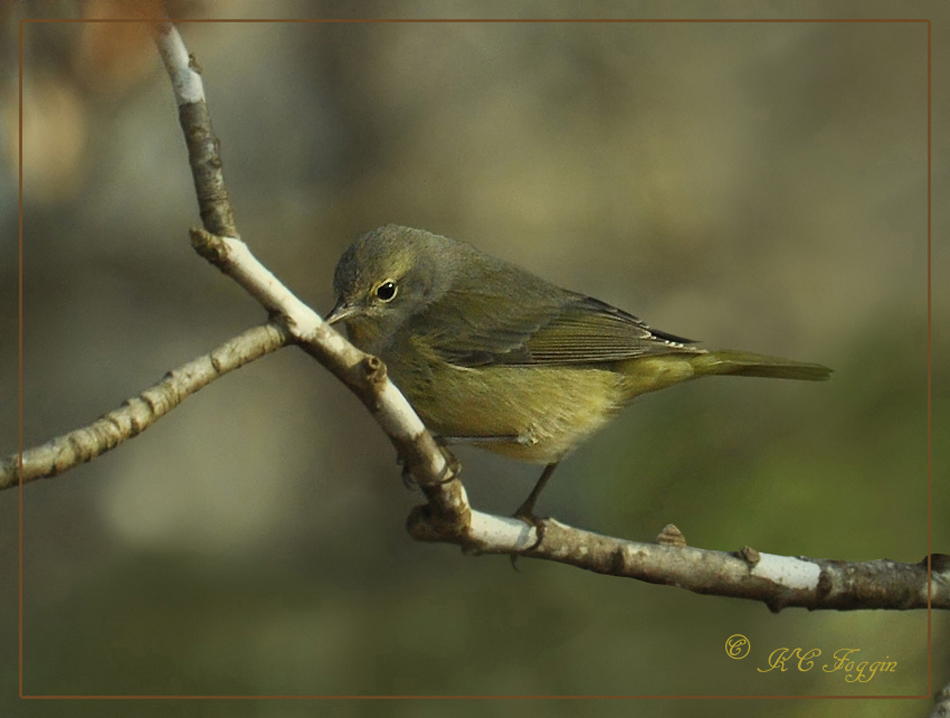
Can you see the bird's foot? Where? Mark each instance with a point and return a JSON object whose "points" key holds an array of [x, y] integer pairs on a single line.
{"points": [[449, 473], [452, 468], [525, 513]]}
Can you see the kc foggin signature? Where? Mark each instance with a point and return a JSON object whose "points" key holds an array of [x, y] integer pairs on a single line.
{"points": [[844, 661]]}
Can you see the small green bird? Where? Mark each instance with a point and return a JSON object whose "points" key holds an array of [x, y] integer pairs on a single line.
{"points": [[489, 354]]}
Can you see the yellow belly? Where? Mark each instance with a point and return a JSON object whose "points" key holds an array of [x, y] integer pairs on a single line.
{"points": [[535, 414], [530, 413]]}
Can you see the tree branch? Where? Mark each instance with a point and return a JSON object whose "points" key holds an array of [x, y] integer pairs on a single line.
{"points": [[778, 581], [195, 119], [140, 412]]}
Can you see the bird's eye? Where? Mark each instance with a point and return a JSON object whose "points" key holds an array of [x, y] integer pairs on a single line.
{"points": [[386, 291]]}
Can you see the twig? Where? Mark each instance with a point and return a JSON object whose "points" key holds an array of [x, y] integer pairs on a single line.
{"points": [[778, 581], [195, 120], [140, 412]]}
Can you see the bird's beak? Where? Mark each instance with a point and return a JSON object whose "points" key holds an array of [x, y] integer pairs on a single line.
{"points": [[341, 310]]}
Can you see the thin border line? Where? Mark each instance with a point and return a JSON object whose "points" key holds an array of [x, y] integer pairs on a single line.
{"points": [[929, 386], [468, 697], [20, 368], [929, 693], [483, 20]]}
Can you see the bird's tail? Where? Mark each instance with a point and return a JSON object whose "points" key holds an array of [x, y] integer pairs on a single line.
{"points": [[658, 372], [739, 363]]}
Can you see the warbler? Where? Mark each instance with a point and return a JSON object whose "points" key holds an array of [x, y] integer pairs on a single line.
{"points": [[489, 354]]}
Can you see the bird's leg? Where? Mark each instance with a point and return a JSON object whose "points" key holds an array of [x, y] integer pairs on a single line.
{"points": [[526, 510]]}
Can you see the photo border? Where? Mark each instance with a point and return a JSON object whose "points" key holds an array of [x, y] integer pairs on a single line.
{"points": [[927, 695]]}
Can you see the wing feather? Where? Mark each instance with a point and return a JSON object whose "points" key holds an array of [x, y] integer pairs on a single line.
{"points": [[560, 328]]}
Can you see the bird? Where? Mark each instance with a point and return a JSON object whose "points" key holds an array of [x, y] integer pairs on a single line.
{"points": [[489, 354]]}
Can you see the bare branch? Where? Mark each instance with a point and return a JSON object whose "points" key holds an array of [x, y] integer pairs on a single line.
{"points": [[195, 120], [140, 412], [778, 581]]}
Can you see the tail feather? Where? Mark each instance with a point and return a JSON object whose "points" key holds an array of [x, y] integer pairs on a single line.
{"points": [[739, 363]]}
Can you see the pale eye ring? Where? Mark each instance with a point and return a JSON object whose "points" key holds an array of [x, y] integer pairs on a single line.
{"points": [[386, 291]]}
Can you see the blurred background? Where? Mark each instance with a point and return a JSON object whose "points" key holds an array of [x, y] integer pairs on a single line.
{"points": [[752, 186]]}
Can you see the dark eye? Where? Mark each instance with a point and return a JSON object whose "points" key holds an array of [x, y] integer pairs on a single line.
{"points": [[386, 291]]}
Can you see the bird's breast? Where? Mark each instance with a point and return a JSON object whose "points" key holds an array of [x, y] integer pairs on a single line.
{"points": [[535, 414]]}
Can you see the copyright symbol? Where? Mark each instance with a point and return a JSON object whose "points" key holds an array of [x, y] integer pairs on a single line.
{"points": [[737, 646]]}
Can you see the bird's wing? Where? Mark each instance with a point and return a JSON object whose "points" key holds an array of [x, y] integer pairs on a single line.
{"points": [[560, 329]]}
